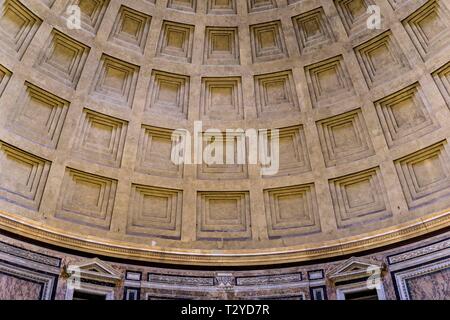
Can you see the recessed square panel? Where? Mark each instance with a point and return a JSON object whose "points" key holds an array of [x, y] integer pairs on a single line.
{"points": [[100, 138], [169, 94], [63, 58], [291, 211], [222, 99], [267, 40], [115, 82], [92, 13], [404, 115], [223, 216], [381, 59], [23, 177], [176, 41], [344, 138], [183, 5], [221, 46], [39, 116], [155, 153], [18, 25], [425, 175], [155, 212], [276, 94], [329, 82], [429, 27], [442, 79], [313, 30], [359, 198], [87, 199], [131, 29]]}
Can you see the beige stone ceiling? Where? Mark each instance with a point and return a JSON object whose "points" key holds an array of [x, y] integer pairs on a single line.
{"points": [[86, 117]]}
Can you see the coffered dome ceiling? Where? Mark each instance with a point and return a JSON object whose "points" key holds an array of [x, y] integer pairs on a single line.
{"points": [[86, 117]]}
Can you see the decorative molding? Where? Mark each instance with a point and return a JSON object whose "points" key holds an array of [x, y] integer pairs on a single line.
{"points": [[29, 266], [180, 280], [419, 252], [46, 281], [316, 275], [353, 268], [382, 237], [269, 280], [95, 270], [225, 280], [133, 275], [24, 257]]}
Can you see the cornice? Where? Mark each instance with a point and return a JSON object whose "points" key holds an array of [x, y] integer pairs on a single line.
{"points": [[131, 251]]}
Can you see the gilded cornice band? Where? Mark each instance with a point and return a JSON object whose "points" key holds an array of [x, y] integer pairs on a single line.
{"points": [[123, 250]]}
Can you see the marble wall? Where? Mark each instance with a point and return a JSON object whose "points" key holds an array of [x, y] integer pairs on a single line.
{"points": [[434, 285], [416, 271], [12, 288]]}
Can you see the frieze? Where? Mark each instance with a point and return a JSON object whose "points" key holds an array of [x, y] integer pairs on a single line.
{"points": [[30, 255], [419, 252], [180, 280], [265, 280], [225, 280]]}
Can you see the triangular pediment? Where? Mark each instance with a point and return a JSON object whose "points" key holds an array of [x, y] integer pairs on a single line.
{"points": [[95, 269], [353, 268]]}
